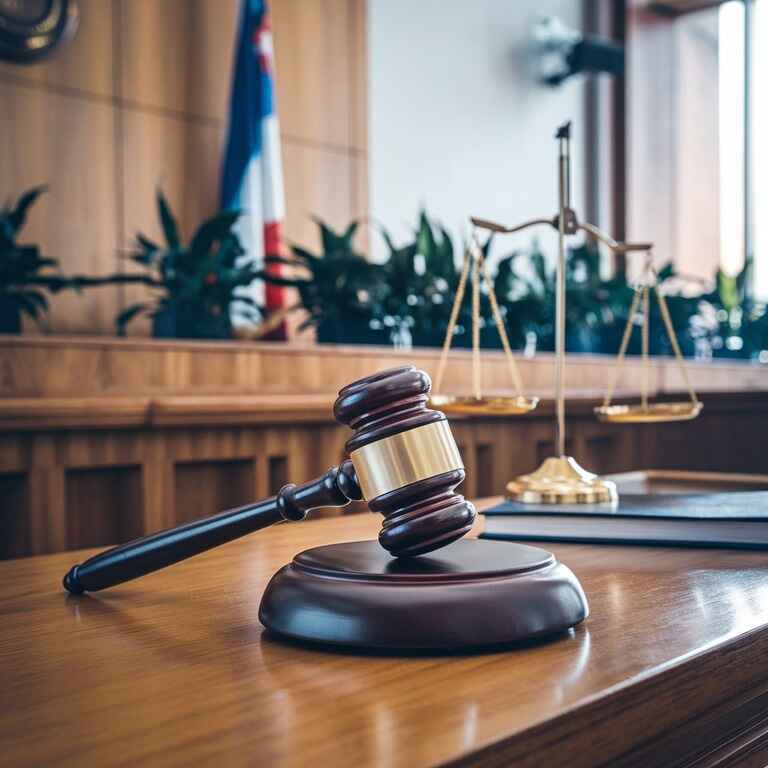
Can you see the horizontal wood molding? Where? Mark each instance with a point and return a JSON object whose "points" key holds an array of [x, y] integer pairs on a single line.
{"points": [[47, 413], [73, 412], [75, 366]]}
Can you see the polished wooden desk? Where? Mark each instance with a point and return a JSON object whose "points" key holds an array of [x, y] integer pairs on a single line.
{"points": [[670, 669]]}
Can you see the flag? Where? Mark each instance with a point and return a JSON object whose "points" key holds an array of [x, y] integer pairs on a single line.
{"points": [[252, 175]]}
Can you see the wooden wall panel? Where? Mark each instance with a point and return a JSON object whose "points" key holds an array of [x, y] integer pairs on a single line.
{"points": [[177, 430], [140, 98], [725, 441], [313, 44], [358, 64], [14, 527], [203, 488], [177, 54], [80, 367], [66, 143], [85, 67], [318, 183], [321, 70], [72, 488], [180, 157], [103, 505]]}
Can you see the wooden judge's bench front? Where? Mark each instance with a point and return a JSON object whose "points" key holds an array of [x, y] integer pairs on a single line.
{"points": [[102, 440], [670, 670]]}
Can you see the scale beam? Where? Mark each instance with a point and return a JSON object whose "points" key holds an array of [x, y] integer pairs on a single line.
{"points": [[492, 226]]}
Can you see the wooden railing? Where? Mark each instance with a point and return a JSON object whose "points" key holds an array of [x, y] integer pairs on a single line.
{"points": [[112, 439]]}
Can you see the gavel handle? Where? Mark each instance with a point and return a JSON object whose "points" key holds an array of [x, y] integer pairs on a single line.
{"points": [[337, 487]]}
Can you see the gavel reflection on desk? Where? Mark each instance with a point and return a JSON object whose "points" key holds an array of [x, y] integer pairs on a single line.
{"points": [[405, 463]]}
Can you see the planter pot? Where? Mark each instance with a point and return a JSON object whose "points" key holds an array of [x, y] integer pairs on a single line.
{"points": [[351, 331], [173, 323], [10, 316], [583, 340], [429, 338], [489, 339]]}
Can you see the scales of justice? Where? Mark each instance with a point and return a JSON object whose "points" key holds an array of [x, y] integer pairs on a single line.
{"points": [[560, 479]]}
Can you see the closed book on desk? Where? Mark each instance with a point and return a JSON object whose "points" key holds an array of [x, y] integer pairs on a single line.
{"points": [[690, 520]]}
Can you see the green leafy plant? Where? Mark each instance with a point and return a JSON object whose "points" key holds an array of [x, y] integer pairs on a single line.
{"points": [[412, 292], [418, 282], [24, 272], [596, 308], [196, 282], [738, 323], [337, 288]]}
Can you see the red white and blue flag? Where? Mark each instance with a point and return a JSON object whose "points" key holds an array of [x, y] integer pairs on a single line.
{"points": [[252, 178]]}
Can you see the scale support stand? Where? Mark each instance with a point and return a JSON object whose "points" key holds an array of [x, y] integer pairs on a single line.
{"points": [[560, 479]]}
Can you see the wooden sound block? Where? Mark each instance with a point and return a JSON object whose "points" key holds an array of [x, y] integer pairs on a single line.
{"points": [[467, 595]]}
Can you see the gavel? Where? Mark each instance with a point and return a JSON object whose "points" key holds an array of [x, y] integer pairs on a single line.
{"points": [[403, 461]]}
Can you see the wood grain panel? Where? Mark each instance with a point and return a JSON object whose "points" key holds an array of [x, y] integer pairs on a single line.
{"points": [[224, 465], [359, 183], [14, 520], [358, 63], [68, 144], [103, 506], [84, 64], [314, 67], [317, 183], [127, 367], [203, 488], [177, 54], [139, 99], [181, 158], [244, 406]]}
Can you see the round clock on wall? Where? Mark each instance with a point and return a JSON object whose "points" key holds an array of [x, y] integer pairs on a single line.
{"points": [[31, 29]]}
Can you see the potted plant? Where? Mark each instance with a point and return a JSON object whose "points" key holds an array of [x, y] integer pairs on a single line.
{"points": [[23, 270], [337, 288], [420, 283], [196, 282], [740, 323], [418, 279]]}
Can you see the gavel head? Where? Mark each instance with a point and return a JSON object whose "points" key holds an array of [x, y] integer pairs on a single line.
{"points": [[406, 461]]}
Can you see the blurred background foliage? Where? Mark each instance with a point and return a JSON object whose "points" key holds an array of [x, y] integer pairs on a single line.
{"points": [[406, 300]]}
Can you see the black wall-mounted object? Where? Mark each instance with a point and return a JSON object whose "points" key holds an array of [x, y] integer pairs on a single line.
{"points": [[30, 30], [563, 52], [595, 55]]}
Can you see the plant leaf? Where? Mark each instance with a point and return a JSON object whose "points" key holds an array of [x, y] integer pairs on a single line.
{"points": [[283, 260], [36, 298], [127, 315], [216, 228], [170, 228], [18, 215], [146, 243], [26, 305]]}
